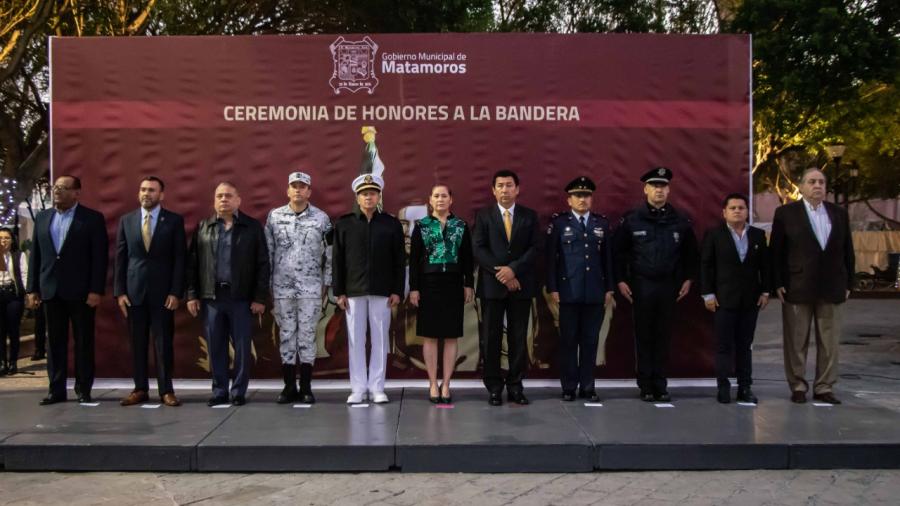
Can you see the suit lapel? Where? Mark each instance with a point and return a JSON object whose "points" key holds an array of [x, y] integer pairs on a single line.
{"points": [[498, 223], [160, 223], [729, 240], [46, 227], [137, 219], [516, 223], [832, 217]]}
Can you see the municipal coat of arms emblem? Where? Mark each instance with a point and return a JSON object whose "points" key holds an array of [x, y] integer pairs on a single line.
{"points": [[354, 65]]}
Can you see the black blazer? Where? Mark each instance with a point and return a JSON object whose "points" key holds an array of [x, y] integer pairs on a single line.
{"points": [[801, 266], [149, 277], [735, 284], [492, 249], [80, 266]]}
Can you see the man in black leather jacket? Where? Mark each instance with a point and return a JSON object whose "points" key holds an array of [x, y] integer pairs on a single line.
{"points": [[228, 281]]}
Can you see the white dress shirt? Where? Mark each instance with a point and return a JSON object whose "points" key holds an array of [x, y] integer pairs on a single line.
{"points": [[821, 223]]}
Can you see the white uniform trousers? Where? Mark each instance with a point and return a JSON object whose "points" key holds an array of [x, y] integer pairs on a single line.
{"points": [[373, 310]]}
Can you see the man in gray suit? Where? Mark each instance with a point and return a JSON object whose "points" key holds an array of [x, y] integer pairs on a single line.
{"points": [[149, 281]]}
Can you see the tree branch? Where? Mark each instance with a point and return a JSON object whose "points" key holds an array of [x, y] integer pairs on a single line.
{"points": [[15, 59]]}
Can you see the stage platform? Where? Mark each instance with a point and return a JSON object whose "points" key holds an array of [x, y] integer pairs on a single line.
{"points": [[409, 434]]}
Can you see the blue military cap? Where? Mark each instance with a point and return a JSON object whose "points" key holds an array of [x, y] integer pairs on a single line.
{"points": [[658, 175], [581, 184]]}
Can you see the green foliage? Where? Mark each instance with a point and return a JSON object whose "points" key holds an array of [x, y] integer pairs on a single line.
{"points": [[824, 71], [621, 16]]}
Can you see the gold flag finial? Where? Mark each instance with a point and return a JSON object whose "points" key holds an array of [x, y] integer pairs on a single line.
{"points": [[368, 133]]}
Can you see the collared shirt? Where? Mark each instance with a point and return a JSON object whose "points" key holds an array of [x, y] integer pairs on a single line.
{"points": [[223, 251], [581, 219], [741, 241], [821, 223], [154, 218], [512, 211], [59, 226]]}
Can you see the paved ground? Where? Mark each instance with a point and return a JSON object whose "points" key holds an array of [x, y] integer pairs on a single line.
{"points": [[870, 368]]}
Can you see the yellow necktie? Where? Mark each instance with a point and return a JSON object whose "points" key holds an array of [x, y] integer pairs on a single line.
{"points": [[145, 232], [507, 224]]}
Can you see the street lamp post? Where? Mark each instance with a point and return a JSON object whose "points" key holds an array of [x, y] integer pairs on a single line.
{"points": [[836, 152]]}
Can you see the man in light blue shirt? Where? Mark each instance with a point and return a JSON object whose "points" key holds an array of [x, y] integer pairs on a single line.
{"points": [[59, 226], [67, 276]]}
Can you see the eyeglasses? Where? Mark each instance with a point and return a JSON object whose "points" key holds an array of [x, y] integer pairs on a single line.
{"points": [[61, 188]]}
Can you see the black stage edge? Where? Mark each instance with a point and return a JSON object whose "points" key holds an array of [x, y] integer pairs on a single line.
{"points": [[412, 435]]}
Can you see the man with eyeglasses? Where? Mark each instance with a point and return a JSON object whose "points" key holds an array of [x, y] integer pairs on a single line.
{"points": [[67, 276]]}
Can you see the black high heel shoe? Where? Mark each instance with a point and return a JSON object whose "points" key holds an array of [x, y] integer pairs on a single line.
{"points": [[445, 400], [436, 399]]}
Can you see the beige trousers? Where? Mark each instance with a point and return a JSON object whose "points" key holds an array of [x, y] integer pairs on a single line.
{"points": [[825, 320]]}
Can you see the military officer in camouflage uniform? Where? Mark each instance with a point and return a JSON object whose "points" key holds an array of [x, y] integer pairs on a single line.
{"points": [[299, 239]]}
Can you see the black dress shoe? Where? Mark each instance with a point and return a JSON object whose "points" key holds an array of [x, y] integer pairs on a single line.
{"points": [[3, 368], [724, 395], [307, 398], [287, 395], [13, 369], [238, 400], [52, 399], [217, 401], [589, 396], [495, 399], [38, 356], [826, 397], [84, 398], [518, 398], [647, 396], [568, 396], [798, 397], [746, 395], [662, 397]]}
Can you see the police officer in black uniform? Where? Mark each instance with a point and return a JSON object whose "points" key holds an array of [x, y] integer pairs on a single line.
{"points": [[655, 259], [580, 280]]}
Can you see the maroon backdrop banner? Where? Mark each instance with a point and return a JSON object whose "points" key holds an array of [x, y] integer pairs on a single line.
{"points": [[449, 107]]}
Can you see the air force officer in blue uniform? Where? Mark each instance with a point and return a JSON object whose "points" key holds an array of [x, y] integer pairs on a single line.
{"points": [[580, 280]]}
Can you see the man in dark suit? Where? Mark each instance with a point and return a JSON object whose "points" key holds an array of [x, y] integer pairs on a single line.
{"points": [[67, 274], [812, 266], [504, 239], [149, 281], [228, 279], [734, 280]]}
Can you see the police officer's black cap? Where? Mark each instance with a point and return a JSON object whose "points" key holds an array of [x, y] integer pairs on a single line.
{"points": [[657, 175], [581, 184]]}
